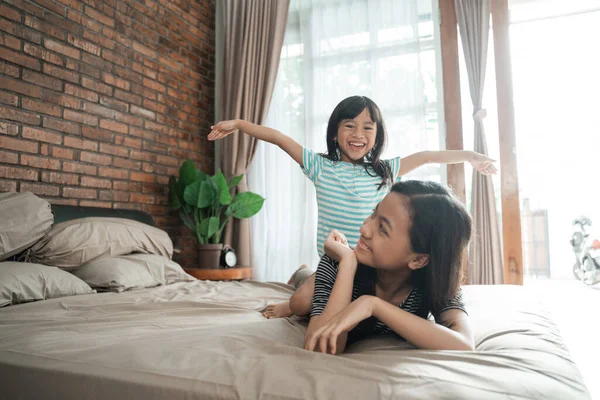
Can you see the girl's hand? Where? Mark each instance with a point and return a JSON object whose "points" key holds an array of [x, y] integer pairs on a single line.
{"points": [[326, 336], [483, 164], [222, 129], [336, 245]]}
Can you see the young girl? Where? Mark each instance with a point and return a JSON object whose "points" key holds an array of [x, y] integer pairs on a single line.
{"points": [[350, 179], [406, 264]]}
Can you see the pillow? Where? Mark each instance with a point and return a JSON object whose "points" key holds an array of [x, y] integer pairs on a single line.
{"points": [[71, 244], [24, 219], [133, 271], [23, 282]]}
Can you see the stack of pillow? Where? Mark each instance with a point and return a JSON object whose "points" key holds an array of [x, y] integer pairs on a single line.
{"points": [[78, 256]]}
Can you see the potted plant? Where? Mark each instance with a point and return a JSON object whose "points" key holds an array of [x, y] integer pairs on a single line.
{"points": [[205, 206]]}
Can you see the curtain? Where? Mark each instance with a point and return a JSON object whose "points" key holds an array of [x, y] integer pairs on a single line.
{"points": [[485, 258], [250, 35], [383, 49]]}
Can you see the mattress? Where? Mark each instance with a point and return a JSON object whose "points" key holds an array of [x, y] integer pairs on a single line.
{"points": [[208, 340]]}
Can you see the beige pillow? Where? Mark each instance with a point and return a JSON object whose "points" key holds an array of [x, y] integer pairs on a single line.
{"points": [[24, 219], [23, 282], [133, 271], [73, 243]]}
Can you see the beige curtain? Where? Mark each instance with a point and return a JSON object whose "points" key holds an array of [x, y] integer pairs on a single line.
{"points": [[249, 40], [485, 258]]}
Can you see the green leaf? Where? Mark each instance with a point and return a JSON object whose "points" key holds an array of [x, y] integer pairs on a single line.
{"points": [[187, 173], [208, 227], [222, 188], [207, 196], [187, 220], [245, 205], [190, 195], [201, 175], [174, 201], [233, 182]]}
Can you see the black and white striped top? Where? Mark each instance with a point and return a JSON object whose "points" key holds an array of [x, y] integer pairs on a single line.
{"points": [[364, 284]]}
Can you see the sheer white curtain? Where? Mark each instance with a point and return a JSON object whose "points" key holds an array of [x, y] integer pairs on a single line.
{"points": [[384, 49]]}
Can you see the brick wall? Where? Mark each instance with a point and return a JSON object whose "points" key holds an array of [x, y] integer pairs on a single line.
{"points": [[102, 100]]}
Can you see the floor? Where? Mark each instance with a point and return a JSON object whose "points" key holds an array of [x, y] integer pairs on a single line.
{"points": [[574, 306]]}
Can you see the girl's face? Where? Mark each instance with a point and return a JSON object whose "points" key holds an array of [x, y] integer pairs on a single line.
{"points": [[356, 137], [384, 237]]}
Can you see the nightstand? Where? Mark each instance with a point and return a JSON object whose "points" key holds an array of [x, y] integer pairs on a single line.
{"points": [[221, 274]]}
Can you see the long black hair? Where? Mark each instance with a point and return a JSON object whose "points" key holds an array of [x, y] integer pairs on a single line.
{"points": [[441, 228], [350, 108]]}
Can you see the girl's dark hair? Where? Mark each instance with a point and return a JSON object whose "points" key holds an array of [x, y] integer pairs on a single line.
{"points": [[441, 228], [350, 108]]}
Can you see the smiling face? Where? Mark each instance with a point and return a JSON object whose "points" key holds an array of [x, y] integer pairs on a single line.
{"points": [[356, 137], [384, 237]]}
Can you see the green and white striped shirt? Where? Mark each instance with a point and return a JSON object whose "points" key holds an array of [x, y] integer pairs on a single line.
{"points": [[346, 194]]}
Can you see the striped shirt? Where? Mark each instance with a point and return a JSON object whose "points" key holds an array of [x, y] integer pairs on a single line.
{"points": [[346, 194], [364, 284]]}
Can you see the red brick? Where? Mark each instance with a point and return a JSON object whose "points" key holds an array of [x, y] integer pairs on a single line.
{"points": [[39, 189], [45, 27], [8, 186], [113, 173], [9, 41], [154, 168], [19, 116], [79, 168], [129, 186], [144, 50], [142, 134], [19, 58], [61, 21], [128, 97], [80, 92], [95, 182], [81, 144], [141, 177], [152, 84], [91, 203], [142, 112], [95, 62], [8, 158], [97, 109], [111, 34], [157, 148], [42, 80], [129, 164], [113, 195], [39, 162], [52, 6], [60, 178], [95, 86], [61, 99], [101, 41], [84, 21], [113, 57], [62, 49], [97, 134], [44, 149], [61, 152], [10, 13], [9, 99], [141, 198], [114, 150], [41, 135], [116, 81], [128, 141], [74, 4], [128, 206], [79, 193], [93, 14], [20, 31], [81, 117], [8, 129], [114, 104], [61, 126], [113, 126], [98, 159], [61, 73], [9, 70], [150, 73], [129, 119], [83, 45], [166, 160], [18, 173], [43, 54], [156, 127], [18, 145], [41, 107]]}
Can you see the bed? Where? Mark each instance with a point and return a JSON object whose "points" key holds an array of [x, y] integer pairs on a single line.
{"points": [[208, 340]]}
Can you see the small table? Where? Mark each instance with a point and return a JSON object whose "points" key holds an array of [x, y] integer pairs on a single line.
{"points": [[221, 274]]}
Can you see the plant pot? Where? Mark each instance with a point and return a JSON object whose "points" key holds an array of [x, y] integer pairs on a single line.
{"points": [[209, 256]]}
